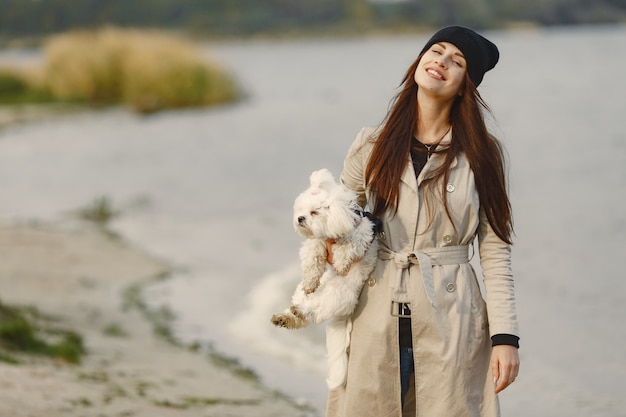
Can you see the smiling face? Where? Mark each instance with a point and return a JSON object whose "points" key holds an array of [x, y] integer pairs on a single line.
{"points": [[441, 71]]}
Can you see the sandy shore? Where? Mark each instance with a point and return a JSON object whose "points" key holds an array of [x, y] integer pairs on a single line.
{"points": [[79, 275], [15, 114]]}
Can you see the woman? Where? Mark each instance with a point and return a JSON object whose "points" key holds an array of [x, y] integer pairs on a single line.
{"points": [[424, 341]]}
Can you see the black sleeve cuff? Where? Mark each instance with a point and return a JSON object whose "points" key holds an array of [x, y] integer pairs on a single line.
{"points": [[505, 339]]}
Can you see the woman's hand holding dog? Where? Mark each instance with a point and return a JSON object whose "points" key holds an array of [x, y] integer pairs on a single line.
{"points": [[341, 267], [329, 250]]}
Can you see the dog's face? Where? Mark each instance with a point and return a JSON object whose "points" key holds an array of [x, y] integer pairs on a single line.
{"points": [[325, 210]]}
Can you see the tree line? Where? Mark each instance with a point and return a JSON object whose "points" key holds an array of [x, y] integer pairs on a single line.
{"points": [[19, 18]]}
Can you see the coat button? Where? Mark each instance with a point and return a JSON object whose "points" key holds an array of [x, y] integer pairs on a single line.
{"points": [[381, 235], [447, 239], [371, 282], [450, 287], [450, 188]]}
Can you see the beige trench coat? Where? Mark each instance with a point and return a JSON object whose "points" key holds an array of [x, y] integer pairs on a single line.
{"points": [[451, 322]]}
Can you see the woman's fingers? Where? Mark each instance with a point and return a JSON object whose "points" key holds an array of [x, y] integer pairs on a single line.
{"points": [[329, 250], [504, 366]]}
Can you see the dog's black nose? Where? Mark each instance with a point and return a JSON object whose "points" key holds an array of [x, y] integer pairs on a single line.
{"points": [[301, 219]]}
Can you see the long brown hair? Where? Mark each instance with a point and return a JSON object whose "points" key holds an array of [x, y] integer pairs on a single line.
{"points": [[470, 136]]}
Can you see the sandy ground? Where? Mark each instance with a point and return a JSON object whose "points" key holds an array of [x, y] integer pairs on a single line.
{"points": [[79, 276]]}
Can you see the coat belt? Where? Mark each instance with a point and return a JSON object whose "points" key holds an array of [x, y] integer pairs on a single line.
{"points": [[425, 259]]}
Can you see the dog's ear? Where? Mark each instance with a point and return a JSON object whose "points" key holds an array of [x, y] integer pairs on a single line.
{"points": [[321, 180], [341, 217]]}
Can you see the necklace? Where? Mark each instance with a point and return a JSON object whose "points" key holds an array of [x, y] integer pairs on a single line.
{"points": [[428, 148], [433, 145]]}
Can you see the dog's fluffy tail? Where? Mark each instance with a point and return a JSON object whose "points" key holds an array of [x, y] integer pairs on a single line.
{"points": [[337, 343]]}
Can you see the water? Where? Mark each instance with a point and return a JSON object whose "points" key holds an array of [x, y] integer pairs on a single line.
{"points": [[211, 190]]}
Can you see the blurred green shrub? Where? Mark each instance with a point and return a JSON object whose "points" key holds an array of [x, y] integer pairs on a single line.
{"points": [[11, 83], [148, 70], [20, 86]]}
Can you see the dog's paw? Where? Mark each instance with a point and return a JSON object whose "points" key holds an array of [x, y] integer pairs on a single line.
{"points": [[310, 284], [297, 314], [281, 320], [342, 268], [286, 320], [310, 288]]}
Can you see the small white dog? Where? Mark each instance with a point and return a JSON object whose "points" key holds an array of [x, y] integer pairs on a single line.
{"points": [[329, 211]]}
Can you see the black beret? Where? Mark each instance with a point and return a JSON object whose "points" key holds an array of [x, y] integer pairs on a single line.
{"points": [[481, 55]]}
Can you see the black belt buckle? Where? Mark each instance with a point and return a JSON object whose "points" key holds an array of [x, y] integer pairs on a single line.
{"points": [[402, 310]]}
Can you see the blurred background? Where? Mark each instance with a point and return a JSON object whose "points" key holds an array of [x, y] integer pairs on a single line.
{"points": [[188, 127], [284, 17]]}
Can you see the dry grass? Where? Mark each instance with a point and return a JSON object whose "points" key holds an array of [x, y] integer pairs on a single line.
{"points": [[148, 70]]}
